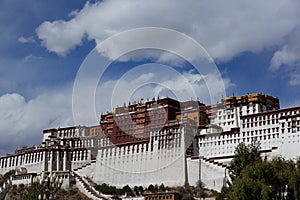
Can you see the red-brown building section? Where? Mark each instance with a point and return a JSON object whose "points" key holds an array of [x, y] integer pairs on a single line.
{"points": [[134, 122]]}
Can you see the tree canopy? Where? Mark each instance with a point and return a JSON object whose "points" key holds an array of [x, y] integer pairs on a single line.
{"points": [[244, 156], [262, 179]]}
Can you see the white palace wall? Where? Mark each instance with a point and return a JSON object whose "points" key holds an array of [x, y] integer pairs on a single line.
{"points": [[142, 164], [31, 161], [211, 174], [86, 170], [44, 159]]}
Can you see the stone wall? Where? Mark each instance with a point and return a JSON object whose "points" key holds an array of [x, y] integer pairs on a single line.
{"points": [[162, 160], [212, 175], [46, 159]]}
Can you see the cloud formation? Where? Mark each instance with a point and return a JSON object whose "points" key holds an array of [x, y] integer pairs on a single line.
{"points": [[147, 82], [22, 121], [289, 57], [224, 28], [23, 39]]}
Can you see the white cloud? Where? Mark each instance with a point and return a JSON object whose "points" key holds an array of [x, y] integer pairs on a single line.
{"points": [[60, 36], [31, 57], [23, 39], [22, 121], [146, 81], [224, 28], [288, 57]]}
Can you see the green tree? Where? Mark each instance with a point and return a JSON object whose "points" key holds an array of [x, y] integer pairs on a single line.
{"points": [[252, 183], [295, 181], [162, 188], [128, 190], [141, 189], [223, 194], [275, 179], [283, 173], [244, 156], [136, 190], [151, 188], [155, 188], [32, 192]]}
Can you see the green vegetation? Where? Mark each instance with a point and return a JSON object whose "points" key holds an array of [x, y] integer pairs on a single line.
{"points": [[111, 190], [23, 192], [6, 177], [128, 191], [255, 178], [244, 156], [189, 192]]}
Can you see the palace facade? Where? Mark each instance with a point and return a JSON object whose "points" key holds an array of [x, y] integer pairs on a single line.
{"points": [[163, 141]]}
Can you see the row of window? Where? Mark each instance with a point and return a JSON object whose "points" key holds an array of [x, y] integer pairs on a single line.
{"points": [[259, 123], [238, 140], [293, 123], [228, 117], [32, 158], [109, 152], [228, 123], [261, 131], [271, 116]]}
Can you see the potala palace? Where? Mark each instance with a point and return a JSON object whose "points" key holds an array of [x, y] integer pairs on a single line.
{"points": [[161, 141]]}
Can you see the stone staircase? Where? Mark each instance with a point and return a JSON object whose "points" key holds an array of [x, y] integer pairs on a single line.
{"points": [[215, 162], [213, 172], [86, 170], [85, 165], [86, 188]]}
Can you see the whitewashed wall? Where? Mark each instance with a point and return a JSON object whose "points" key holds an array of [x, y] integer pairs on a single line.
{"points": [[120, 166]]}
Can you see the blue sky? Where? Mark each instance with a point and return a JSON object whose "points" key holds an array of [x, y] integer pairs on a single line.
{"points": [[255, 45]]}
